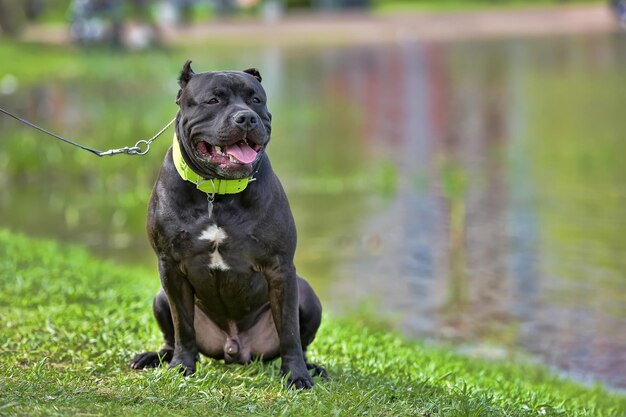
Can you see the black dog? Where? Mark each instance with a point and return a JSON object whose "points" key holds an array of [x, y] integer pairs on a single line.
{"points": [[224, 235]]}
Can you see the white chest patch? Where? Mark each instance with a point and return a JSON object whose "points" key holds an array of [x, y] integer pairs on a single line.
{"points": [[217, 235], [214, 233]]}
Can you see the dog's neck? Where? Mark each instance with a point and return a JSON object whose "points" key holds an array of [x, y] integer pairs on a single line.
{"points": [[210, 186]]}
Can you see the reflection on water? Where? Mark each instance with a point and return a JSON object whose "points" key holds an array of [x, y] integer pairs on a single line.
{"points": [[468, 192]]}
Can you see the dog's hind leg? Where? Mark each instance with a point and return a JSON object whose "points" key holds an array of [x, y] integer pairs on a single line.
{"points": [[310, 311], [163, 315]]}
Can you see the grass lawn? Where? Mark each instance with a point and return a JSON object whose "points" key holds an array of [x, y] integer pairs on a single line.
{"points": [[69, 324]]}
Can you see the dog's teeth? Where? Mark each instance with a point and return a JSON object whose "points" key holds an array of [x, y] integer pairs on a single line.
{"points": [[218, 149], [232, 158]]}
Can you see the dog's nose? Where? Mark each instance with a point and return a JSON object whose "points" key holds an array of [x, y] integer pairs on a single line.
{"points": [[245, 119]]}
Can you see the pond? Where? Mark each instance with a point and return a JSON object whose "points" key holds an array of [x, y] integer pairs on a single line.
{"points": [[471, 193]]}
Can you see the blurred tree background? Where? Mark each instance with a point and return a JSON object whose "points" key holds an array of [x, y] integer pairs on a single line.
{"points": [[14, 14]]}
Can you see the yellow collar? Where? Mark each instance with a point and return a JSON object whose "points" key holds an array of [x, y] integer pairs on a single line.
{"points": [[209, 186]]}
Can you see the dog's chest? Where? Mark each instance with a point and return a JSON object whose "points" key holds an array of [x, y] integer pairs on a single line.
{"points": [[222, 269], [213, 248], [221, 249]]}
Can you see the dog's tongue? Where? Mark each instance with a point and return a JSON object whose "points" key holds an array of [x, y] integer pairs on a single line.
{"points": [[241, 151]]}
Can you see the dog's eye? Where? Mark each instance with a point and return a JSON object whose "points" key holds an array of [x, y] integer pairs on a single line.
{"points": [[256, 100], [213, 101]]}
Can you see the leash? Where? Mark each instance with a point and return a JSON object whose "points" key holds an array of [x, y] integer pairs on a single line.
{"points": [[141, 147]]}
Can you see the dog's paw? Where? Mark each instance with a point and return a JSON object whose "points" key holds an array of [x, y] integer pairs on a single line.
{"points": [[300, 382], [187, 368], [297, 379], [149, 359], [317, 370]]}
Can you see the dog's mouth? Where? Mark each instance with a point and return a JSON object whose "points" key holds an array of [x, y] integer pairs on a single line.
{"points": [[241, 153]]}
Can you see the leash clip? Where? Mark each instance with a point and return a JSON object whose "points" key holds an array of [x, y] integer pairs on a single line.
{"points": [[118, 151], [136, 150], [141, 148]]}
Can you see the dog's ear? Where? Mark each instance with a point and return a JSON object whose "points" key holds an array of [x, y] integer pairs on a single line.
{"points": [[183, 79], [185, 74], [255, 73]]}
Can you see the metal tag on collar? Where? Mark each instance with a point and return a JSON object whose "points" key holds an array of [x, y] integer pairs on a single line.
{"points": [[210, 197]]}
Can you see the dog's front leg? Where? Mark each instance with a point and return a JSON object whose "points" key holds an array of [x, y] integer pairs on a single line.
{"points": [[283, 296], [181, 297]]}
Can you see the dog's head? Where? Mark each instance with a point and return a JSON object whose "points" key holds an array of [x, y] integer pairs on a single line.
{"points": [[223, 124]]}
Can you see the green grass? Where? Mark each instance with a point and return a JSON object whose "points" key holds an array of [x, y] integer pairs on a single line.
{"points": [[69, 323]]}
